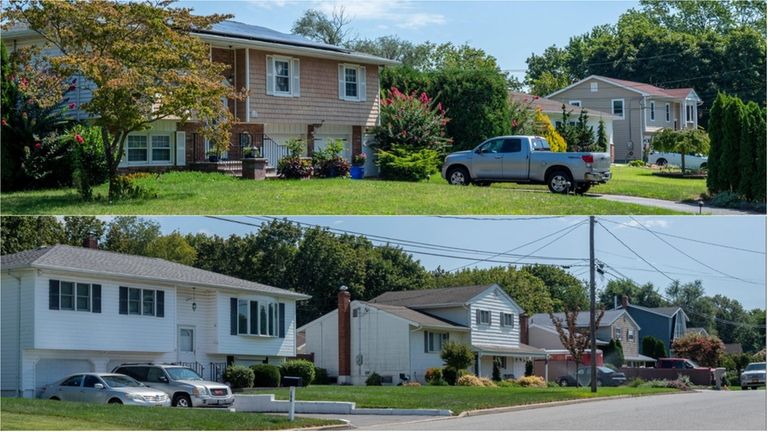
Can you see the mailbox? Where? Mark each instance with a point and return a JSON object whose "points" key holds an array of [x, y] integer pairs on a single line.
{"points": [[289, 381]]}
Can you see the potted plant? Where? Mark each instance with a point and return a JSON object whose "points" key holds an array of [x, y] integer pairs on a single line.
{"points": [[213, 156], [254, 166], [251, 152], [358, 166]]}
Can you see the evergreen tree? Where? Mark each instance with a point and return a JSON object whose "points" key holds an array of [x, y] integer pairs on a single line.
{"points": [[602, 137], [716, 144], [659, 350], [760, 162], [729, 161], [747, 152], [619, 354]]}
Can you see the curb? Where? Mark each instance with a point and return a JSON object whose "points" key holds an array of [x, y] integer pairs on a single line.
{"points": [[346, 426]]}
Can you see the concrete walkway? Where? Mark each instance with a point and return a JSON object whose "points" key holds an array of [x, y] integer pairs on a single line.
{"points": [[672, 205]]}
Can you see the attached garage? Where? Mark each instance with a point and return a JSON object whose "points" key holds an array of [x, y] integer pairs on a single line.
{"points": [[48, 371]]}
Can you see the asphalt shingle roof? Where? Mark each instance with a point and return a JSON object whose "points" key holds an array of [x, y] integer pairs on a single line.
{"points": [[677, 93], [417, 317], [63, 257], [582, 320], [431, 297], [552, 106]]}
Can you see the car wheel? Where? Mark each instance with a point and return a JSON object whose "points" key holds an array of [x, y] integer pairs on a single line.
{"points": [[703, 166], [583, 188], [115, 401], [661, 162], [563, 382], [55, 398], [182, 401], [458, 176], [559, 181], [754, 387]]}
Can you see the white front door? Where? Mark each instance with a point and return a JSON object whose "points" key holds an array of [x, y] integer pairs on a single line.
{"points": [[187, 343]]}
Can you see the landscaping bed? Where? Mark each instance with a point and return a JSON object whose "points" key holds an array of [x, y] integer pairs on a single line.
{"points": [[456, 399], [211, 193], [32, 414]]}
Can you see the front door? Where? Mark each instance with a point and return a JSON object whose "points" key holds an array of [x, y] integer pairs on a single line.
{"points": [[187, 343], [487, 162], [515, 160]]}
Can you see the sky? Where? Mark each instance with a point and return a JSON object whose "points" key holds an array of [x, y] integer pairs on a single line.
{"points": [[727, 271], [509, 30]]}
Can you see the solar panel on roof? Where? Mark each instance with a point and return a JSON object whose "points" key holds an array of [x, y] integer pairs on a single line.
{"points": [[254, 32]]}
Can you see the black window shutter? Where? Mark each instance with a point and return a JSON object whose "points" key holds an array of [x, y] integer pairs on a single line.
{"points": [[426, 342], [232, 315], [254, 324], [281, 320], [123, 301], [160, 306], [53, 294], [96, 298], [477, 315]]}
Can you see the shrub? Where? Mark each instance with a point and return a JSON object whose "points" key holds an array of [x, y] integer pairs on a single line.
{"points": [[294, 167], [433, 374], [321, 376], [636, 382], [401, 164], [124, 187], [238, 376], [507, 383], [373, 379], [412, 384], [456, 355], [88, 160], [469, 380], [636, 163], [552, 384], [328, 163], [48, 162], [532, 381], [726, 200], [487, 382], [451, 374], [266, 375], [543, 126], [299, 368]]}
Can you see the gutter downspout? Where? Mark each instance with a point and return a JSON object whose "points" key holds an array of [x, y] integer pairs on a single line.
{"points": [[18, 335]]}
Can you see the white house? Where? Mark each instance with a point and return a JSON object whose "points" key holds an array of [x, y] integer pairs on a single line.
{"points": [[67, 309], [402, 332]]}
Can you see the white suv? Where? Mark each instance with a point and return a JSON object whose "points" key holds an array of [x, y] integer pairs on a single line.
{"points": [[183, 385]]}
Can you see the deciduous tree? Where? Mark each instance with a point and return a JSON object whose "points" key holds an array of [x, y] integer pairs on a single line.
{"points": [[573, 338], [172, 247], [704, 350], [20, 233]]}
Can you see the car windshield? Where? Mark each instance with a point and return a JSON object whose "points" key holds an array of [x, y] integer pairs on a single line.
{"points": [[605, 369], [121, 381], [540, 144], [693, 363], [183, 374], [755, 367]]}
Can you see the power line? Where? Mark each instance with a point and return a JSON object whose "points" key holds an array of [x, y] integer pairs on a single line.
{"points": [[709, 76], [689, 239], [635, 253]]}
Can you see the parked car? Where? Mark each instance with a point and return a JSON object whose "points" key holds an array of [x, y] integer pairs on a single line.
{"points": [[753, 376], [605, 377], [692, 160], [526, 159], [677, 363], [104, 388], [183, 385]]}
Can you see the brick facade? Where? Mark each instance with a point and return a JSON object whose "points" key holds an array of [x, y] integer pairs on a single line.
{"points": [[357, 140], [195, 146]]}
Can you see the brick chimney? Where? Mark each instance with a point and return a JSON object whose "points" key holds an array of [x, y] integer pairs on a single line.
{"points": [[624, 301], [524, 329], [91, 242], [344, 333]]}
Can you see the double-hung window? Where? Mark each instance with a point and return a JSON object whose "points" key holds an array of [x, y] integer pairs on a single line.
{"points": [[138, 301], [137, 148], [74, 296], [145, 149], [257, 318], [507, 320], [161, 148], [484, 317], [433, 342], [689, 113], [630, 335], [283, 76], [617, 333], [352, 82], [617, 107], [653, 111], [667, 113]]}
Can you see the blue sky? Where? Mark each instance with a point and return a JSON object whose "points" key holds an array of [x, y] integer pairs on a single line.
{"points": [[505, 233], [508, 30]]}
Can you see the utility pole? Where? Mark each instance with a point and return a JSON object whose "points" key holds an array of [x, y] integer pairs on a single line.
{"points": [[593, 342]]}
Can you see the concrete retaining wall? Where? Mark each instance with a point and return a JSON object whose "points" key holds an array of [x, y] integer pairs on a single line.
{"points": [[267, 403]]}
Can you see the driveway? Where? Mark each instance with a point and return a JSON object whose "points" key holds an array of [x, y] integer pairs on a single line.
{"points": [[702, 410], [673, 205]]}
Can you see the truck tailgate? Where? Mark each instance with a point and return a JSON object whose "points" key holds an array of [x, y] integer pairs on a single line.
{"points": [[602, 162]]}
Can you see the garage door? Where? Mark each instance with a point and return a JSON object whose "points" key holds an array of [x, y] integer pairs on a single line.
{"points": [[321, 141], [49, 370]]}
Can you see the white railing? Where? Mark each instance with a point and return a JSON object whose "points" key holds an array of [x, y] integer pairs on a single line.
{"points": [[272, 150]]}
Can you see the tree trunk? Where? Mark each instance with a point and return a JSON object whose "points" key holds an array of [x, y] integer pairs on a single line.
{"points": [[113, 151], [682, 163]]}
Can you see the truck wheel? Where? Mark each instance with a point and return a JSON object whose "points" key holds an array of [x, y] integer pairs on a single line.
{"points": [[582, 188], [458, 176], [559, 181], [703, 166], [661, 162], [563, 382]]}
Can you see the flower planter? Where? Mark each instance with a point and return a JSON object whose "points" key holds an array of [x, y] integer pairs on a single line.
{"points": [[213, 158], [357, 172], [254, 168]]}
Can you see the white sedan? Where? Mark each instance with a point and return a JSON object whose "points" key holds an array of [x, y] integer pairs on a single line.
{"points": [[104, 388], [692, 161]]}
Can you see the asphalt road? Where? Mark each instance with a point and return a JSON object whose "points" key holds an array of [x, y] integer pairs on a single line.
{"points": [[704, 410]]}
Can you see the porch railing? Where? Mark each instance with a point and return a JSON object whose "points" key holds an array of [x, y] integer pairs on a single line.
{"points": [[216, 371], [195, 366], [272, 150]]}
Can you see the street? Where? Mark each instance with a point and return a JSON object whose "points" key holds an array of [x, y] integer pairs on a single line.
{"points": [[704, 410]]}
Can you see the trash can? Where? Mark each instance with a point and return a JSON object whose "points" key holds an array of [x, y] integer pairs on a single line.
{"points": [[718, 375]]}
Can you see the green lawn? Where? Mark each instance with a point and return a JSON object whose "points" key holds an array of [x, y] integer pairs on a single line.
{"points": [[640, 182], [31, 414], [457, 399], [201, 193]]}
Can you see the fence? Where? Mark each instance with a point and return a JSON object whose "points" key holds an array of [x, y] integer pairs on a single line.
{"points": [[272, 150]]}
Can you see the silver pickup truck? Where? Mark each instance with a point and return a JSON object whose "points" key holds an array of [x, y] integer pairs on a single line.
{"points": [[526, 159]]}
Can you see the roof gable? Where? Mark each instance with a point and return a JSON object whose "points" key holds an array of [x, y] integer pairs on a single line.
{"points": [[498, 290], [438, 297], [633, 86], [416, 317]]}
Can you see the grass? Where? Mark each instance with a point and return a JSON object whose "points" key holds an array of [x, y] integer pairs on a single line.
{"points": [[183, 193], [457, 399], [32, 414], [639, 182]]}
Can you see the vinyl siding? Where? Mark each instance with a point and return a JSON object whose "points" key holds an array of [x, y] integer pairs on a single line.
{"points": [[319, 100], [652, 324], [322, 339], [202, 320], [420, 360], [16, 325], [247, 345], [381, 342], [494, 334], [458, 315], [544, 339]]}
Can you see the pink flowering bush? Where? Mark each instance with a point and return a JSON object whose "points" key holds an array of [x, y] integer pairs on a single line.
{"points": [[411, 138]]}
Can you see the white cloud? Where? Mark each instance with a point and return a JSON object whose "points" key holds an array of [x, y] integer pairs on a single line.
{"points": [[646, 222], [401, 13], [268, 4]]}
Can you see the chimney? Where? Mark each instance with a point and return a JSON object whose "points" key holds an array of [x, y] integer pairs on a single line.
{"points": [[345, 350], [624, 301], [524, 329], [91, 242]]}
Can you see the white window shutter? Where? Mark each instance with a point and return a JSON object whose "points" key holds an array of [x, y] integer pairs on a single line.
{"points": [[361, 83], [341, 82], [270, 75], [181, 145], [296, 90]]}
